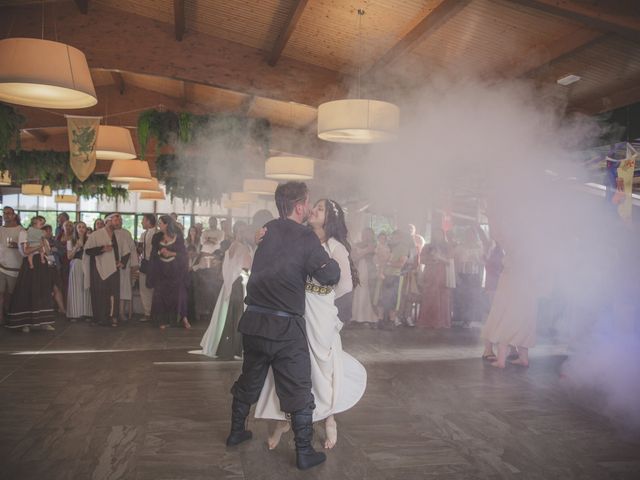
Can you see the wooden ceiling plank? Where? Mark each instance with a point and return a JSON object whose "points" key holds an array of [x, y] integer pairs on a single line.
{"points": [[287, 31], [83, 6], [610, 99], [435, 19], [617, 16], [39, 135], [179, 20], [118, 79]]}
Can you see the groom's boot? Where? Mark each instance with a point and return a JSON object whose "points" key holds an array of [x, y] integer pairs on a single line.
{"points": [[306, 456], [239, 413]]}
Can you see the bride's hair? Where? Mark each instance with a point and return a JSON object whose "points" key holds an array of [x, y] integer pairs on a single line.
{"points": [[335, 227]]}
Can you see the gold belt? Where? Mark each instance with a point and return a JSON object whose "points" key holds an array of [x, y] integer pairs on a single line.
{"points": [[320, 290]]}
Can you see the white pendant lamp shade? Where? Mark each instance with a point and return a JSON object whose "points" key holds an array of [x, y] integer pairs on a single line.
{"points": [[289, 168], [35, 189], [114, 143], [159, 195], [150, 186], [42, 73], [129, 171], [243, 198], [5, 178], [358, 121], [66, 199], [260, 186]]}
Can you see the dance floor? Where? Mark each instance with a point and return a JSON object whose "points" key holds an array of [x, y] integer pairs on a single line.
{"points": [[89, 402]]}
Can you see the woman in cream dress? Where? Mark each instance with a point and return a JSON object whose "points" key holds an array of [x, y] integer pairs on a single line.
{"points": [[338, 380]]}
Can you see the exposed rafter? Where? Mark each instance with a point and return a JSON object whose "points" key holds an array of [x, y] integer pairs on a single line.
{"points": [[178, 16], [610, 99], [435, 19], [39, 135], [247, 105], [286, 32], [83, 6], [118, 79], [619, 16]]}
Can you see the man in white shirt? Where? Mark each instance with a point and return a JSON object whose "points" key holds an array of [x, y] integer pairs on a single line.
{"points": [[146, 294], [212, 236], [10, 257]]}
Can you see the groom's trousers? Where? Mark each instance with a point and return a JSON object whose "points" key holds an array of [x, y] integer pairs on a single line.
{"points": [[289, 359]]}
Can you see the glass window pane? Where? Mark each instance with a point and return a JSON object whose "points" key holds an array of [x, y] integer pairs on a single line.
{"points": [[52, 218], [25, 217], [27, 202], [90, 204], [89, 218], [128, 223], [128, 205], [10, 201], [106, 206]]}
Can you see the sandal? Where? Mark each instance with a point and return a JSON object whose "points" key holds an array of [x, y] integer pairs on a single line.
{"points": [[489, 358]]}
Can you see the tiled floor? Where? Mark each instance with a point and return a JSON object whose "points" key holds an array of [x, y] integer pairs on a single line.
{"points": [[139, 406]]}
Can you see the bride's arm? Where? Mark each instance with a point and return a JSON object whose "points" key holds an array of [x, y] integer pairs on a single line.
{"points": [[345, 285]]}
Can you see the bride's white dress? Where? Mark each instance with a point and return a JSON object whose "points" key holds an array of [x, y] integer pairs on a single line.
{"points": [[338, 380]]}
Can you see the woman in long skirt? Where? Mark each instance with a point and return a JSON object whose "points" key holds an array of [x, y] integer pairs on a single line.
{"points": [[78, 297], [222, 338], [363, 254], [32, 299]]}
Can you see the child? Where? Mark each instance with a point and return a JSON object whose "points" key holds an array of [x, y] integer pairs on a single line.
{"points": [[35, 239]]}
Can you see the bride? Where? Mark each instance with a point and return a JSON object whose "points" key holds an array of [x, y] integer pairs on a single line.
{"points": [[338, 380]]}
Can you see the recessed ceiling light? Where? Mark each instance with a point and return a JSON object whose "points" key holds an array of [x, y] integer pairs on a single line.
{"points": [[568, 80]]}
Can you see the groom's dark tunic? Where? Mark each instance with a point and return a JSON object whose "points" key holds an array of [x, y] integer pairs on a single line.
{"points": [[273, 325]]}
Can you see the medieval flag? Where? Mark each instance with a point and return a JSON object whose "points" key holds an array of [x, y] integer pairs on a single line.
{"points": [[83, 132]]}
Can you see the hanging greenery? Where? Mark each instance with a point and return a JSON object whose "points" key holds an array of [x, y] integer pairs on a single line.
{"points": [[10, 123], [52, 169], [208, 150]]}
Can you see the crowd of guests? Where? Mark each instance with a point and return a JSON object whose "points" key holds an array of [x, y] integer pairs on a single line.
{"points": [[403, 281]]}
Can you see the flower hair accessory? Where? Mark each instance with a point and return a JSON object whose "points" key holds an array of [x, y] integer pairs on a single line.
{"points": [[334, 207]]}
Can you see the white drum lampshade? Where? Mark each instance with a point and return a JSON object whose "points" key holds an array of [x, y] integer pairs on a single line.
{"points": [[114, 143], [35, 189], [150, 186], [260, 186], [66, 198], [358, 121], [243, 198], [129, 171], [284, 167], [5, 178], [46, 74], [159, 195]]}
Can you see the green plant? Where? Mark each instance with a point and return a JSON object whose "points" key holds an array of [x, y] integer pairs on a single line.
{"points": [[10, 123]]}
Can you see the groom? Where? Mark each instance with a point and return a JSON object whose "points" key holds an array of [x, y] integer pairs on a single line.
{"points": [[273, 326]]}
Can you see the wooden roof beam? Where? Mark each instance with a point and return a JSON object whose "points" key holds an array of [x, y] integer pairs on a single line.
{"points": [[617, 16], [287, 31], [609, 99], [246, 105], [39, 135], [179, 20], [431, 22], [118, 80], [83, 6]]}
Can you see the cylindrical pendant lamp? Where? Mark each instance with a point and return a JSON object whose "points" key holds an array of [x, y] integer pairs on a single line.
{"points": [[66, 198], [35, 189], [284, 167], [150, 186], [114, 143], [159, 195], [129, 171], [46, 74], [243, 198], [260, 186], [358, 121]]}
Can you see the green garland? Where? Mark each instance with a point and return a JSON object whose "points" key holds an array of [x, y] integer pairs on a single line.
{"points": [[208, 150], [10, 123], [52, 169]]}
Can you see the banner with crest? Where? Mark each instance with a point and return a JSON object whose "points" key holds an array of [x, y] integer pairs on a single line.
{"points": [[83, 133]]}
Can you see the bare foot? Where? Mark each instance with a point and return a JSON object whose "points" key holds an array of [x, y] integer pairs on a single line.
{"points": [[186, 323], [497, 364], [519, 362], [331, 428], [280, 428]]}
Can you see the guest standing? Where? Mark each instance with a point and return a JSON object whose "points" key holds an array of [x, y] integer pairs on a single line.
{"points": [[10, 258], [146, 293], [79, 297], [128, 268], [364, 256], [435, 307], [169, 265]]}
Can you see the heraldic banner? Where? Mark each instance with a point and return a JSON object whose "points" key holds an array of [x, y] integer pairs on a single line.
{"points": [[83, 132]]}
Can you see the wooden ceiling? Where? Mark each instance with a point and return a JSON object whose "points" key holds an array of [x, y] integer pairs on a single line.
{"points": [[282, 58]]}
